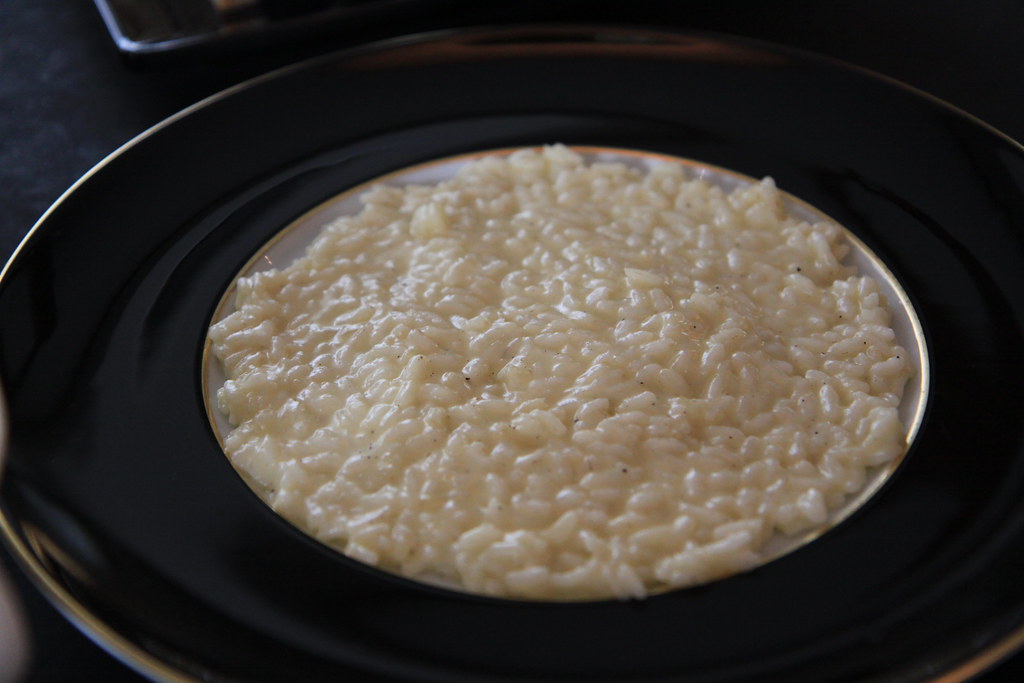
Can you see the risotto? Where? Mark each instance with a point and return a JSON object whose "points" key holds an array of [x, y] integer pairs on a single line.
{"points": [[552, 379]]}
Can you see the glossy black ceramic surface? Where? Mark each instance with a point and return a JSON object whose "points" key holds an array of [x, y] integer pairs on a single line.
{"points": [[120, 501]]}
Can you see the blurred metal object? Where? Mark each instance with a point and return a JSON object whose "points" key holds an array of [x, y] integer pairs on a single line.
{"points": [[151, 23], [14, 642], [151, 27]]}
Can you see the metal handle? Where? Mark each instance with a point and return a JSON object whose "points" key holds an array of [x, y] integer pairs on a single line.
{"points": [[14, 644]]}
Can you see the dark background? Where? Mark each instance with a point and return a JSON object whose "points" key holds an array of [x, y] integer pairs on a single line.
{"points": [[68, 98]]}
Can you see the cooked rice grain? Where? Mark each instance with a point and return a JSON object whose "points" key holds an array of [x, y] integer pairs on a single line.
{"points": [[553, 379]]}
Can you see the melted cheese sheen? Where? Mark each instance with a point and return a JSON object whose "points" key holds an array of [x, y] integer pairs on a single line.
{"points": [[552, 379]]}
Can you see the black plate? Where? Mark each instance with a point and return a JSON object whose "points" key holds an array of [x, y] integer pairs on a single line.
{"points": [[120, 503]]}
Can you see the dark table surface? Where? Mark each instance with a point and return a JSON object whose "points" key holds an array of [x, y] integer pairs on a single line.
{"points": [[68, 98]]}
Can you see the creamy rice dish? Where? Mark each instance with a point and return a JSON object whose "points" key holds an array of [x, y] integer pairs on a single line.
{"points": [[552, 379]]}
